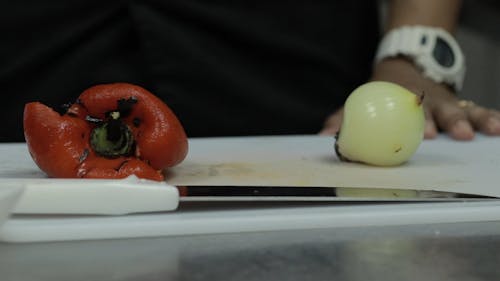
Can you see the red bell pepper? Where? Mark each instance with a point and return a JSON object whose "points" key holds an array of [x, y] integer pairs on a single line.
{"points": [[111, 131]]}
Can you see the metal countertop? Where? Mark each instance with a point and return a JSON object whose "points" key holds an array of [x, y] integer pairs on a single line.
{"points": [[455, 251]]}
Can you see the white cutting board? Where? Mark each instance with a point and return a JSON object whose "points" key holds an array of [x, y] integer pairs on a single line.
{"points": [[440, 164], [240, 220], [8, 199]]}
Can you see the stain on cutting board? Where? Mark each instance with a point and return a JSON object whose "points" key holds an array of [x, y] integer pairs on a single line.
{"points": [[301, 161], [295, 172]]}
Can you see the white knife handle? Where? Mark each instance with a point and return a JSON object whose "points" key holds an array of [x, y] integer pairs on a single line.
{"points": [[96, 196]]}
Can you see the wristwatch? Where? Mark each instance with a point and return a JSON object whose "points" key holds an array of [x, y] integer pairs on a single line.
{"points": [[431, 49]]}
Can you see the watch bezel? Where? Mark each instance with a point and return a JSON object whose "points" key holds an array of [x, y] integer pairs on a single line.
{"points": [[426, 57]]}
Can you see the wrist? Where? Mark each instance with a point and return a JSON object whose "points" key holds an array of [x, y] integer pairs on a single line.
{"points": [[403, 71]]}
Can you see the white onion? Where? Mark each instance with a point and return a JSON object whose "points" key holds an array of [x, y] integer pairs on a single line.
{"points": [[383, 125]]}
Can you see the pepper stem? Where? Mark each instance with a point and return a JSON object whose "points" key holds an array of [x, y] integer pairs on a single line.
{"points": [[112, 138]]}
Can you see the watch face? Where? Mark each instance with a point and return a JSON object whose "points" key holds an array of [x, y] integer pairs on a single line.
{"points": [[443, 53]]}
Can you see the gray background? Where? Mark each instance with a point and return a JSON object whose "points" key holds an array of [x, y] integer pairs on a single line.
{"points": [[479, 36]]}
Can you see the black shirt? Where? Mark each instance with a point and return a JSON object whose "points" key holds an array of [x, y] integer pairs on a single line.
{"points": [[224, 67]]}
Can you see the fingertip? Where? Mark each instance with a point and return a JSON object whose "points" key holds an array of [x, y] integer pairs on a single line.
{"points": [[327, 132], [462, 130], [430, 130], [430, 135], [493, 126]]}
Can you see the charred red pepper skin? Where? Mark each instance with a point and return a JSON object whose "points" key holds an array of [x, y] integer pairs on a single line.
{"points": [[60, 145], [55, 142]]}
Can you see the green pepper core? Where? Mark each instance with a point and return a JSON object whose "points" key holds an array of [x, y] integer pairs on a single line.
{"points": [[112, 138]]}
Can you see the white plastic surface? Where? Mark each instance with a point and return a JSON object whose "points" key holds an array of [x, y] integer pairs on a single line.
{"points": [[8, 198], [236, 220], [93, 196], [439, 164]]}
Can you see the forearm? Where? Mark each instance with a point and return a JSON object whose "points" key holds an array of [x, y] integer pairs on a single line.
{"points": [[438, 13]]}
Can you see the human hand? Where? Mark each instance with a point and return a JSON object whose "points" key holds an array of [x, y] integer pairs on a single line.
{"points": [[444, 111]]}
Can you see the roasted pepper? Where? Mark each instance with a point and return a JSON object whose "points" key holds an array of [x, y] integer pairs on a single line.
{"points": [[111, 131]]}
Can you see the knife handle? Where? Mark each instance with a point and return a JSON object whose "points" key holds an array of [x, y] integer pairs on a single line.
{"points": [[94, 196]]}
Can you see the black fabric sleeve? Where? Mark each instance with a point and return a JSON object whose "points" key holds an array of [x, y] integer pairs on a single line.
{"points": [[225, 67]]}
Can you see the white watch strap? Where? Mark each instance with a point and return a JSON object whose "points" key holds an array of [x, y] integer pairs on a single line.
{"points": [[417, 43], [401, 41]]}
